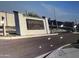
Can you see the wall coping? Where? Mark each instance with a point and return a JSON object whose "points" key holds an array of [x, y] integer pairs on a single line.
{"points": [[20, 37]]}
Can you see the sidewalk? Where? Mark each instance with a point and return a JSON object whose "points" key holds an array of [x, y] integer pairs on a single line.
{"points": [[20, 37], [62, 52]]}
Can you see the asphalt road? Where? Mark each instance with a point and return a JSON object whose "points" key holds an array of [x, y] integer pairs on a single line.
{"points": [[33, 47]]}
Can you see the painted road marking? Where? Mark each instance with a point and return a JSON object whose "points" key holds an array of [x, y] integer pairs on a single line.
{"points": [[61, 37], [40, 47], [49, 38], [51, 45]]}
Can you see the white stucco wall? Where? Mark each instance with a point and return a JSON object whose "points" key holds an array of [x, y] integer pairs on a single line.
{"points": [[9, 18], [23, 26], [37, 31], [2, 14], [22, 23]]}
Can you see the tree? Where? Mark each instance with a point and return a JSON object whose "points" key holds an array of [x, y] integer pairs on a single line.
{"points": [[32, 14]]}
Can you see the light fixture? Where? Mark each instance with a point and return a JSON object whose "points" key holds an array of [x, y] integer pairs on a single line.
{"points": [[75, 26], [62, 25]]}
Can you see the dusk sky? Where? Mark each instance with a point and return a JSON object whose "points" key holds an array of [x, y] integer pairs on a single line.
{"points": [[65, 11]]}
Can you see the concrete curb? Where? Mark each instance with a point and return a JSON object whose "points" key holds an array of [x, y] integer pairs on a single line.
{"points": [[41, 56], [28, 36], [75, 32], [55, 52]]}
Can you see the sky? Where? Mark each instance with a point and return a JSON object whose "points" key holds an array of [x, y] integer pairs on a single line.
{"points": [[63, 10]]}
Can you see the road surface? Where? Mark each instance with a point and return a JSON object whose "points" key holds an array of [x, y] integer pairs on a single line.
{"points": [[33, 47]]}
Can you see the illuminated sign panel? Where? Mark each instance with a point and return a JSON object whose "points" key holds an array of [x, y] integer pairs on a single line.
{"points": [[35, 24]]}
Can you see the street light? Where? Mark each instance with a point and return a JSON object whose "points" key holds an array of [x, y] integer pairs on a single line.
{"points": [[62, 25], [75, 26]]}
